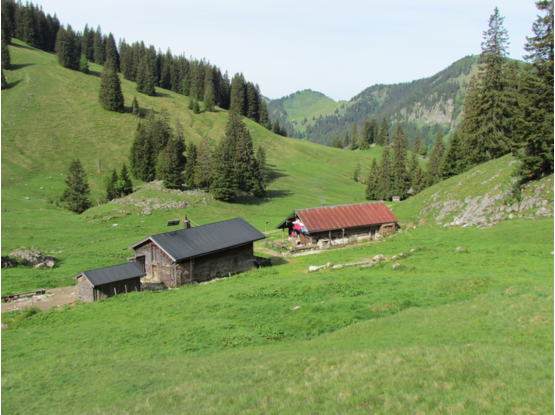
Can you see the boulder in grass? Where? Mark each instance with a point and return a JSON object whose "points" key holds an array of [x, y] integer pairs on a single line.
{"points": [[379, 257], [394, 257], [396, 265], [8, 262], [39, 265], [49, 263]]}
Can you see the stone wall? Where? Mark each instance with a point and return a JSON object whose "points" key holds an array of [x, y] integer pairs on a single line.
{"points": [[155, 256], [86, 290]]}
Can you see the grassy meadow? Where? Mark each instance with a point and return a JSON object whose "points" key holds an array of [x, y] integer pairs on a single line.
{"points": [[447, 332]]}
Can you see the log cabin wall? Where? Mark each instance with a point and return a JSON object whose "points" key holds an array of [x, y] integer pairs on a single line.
{"points": [[154, 256], [118, 287], [232, 260], [363, 232]]}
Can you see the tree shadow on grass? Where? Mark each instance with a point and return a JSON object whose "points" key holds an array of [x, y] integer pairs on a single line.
{"points": [[11, 84], [257, 201], [163, 95], [94, 73], [274, 174], [16, 66]]}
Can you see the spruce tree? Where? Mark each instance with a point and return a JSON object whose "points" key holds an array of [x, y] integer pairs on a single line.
{"points": [[453, 161], [264, 116], [196, 107], [191, 104], [383, 134], [346, 140], [84, 64], [77, 192], [135, 108], [125, 184], [191, 165], [145, 80], [384, 177], [99, 49], [4, 80], [111, 184], [204, 168], [262, 165], [372, 184], [253, 101], [142, 158], [416, 143], [413, 165], [435, 160], [400, 182], [209, 99], [173, 164], [423, 150], [111, 51], [110, 96], [536, 126], [6, 60], [223, 186], [276, 129], [186, 87], [418, 181], [485, 131], [238, 94], [356, 173], [374, 131], [366, 135], [65, 48], [354, 137]]}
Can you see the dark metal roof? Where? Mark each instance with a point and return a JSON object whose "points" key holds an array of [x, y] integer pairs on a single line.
{"points": [[342, 217], [206, 239], [114, 273]]}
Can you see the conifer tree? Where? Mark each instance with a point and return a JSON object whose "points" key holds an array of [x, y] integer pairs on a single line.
{"points": [[191, 165], [209, 100], [145, 80], [276, 129], [142, 158], [400, 182], [111, 184], [384, 178], [416, 143], [99, 49], [423, 150], [223, 186], [435, 160], [173, 163], [413, 165], [366, 135], [191, 104], [354, 137], [485, 131], [383, 134], [84, 64], [6, 60], [238, 94], [262, 165], [418, 181], [537, 121], [77, 192], [372, 184], [356, 173], [135, 108], [111, 51], [186, 87], [253, 100], [374, 131], [196, 107], [204, 169], [264, 116], [453, 160], [4, 80], [65, 48], [125, 184], [110, 96], [346, 140]]}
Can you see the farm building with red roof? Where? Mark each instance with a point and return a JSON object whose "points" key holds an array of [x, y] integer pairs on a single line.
{"points": [[338, 224]]}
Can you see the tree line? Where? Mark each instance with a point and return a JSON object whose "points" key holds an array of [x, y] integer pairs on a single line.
{"points": [[158, 153]]}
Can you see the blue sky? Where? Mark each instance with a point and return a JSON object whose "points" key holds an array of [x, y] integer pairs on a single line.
{"points": [[334, 47]]}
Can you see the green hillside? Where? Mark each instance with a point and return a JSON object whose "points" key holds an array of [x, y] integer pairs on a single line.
{"points": [[464, 323], [426, 105], [51, 115]]}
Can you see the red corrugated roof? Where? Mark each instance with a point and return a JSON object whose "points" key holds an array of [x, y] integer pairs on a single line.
{"points": [[346, 216]]}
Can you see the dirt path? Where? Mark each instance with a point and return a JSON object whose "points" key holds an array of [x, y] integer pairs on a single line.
{"points": [[53, 298]]}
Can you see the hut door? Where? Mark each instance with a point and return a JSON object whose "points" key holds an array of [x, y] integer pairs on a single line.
{"points": [[154, 273]]}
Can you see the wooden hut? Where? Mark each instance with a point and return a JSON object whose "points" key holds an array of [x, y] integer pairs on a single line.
{"points": [[109, 281], [330, 225], [198, 254]]}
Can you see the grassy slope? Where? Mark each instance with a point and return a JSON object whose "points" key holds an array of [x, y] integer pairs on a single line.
{"points": [[51, 115], [447, 332]]}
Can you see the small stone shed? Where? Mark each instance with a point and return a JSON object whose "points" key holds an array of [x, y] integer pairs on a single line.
{"points": [[340, 224], [106, 282], [198, 254]]}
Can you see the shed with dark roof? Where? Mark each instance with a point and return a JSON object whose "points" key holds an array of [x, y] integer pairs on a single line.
{"points": [[106, 282], [198, 254], [339, 224]]}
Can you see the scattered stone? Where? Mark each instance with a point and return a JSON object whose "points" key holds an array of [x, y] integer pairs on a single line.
{"points": [[396, 265], [512, 216], [379, 257], [337, 267], [296, 308], [394, 257], [39, 265], [27, 198], [401, 255], [8, 262], [33, 255], [413, 249], [115, 224], [313, 268], [147, 212], [49, 263], [460, 248]]}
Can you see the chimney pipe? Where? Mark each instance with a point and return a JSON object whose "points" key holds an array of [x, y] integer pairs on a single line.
{"points": [[186, 223]]}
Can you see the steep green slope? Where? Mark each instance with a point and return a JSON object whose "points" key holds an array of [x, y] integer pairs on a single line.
{"points": [[51, 115]]}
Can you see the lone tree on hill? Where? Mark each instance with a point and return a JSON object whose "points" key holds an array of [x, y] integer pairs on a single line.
{"points": [[135, 108], [77, 193], [111, 183], [110, 97], [537, 88]]}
